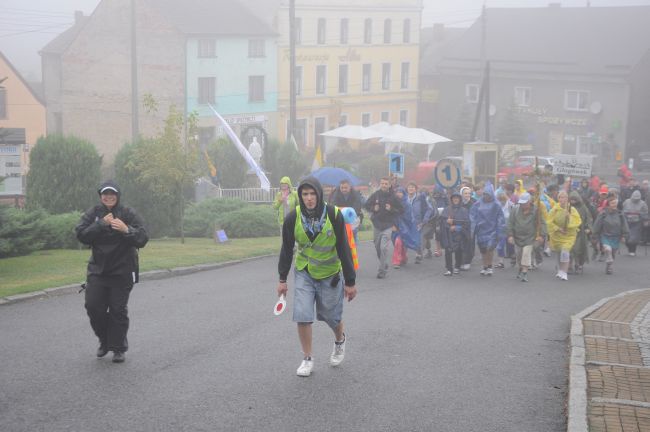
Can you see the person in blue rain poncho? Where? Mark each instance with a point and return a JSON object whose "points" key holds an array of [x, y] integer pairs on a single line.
{"points": [[488, 226], [454, 232], [406, 236]]}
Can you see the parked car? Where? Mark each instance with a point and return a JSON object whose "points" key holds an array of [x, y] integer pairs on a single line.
{"points": [[524, 165], [642, 162]]}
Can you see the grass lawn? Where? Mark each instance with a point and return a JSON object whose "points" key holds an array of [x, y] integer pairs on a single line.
{"points": [[54, 268]]}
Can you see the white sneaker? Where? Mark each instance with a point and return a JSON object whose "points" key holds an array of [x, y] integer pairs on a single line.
{"points": [[483, 272], [563, 276], [338, 353], [465, 267], [489, 271], [306, 367], [632, 254]]}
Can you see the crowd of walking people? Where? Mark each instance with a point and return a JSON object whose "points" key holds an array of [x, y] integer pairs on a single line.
{"points": [[517, 224]]}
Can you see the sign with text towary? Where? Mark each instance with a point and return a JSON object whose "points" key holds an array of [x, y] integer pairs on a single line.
{"points": [[572, 165]]}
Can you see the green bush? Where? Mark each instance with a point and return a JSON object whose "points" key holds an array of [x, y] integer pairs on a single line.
{"points": [[21, 231], [58, 231], [64, 174], [251, 221], [201, 218]]}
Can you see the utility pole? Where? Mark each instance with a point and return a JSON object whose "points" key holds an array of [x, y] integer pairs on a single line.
{"points": [[135, 127], [292, 69]]}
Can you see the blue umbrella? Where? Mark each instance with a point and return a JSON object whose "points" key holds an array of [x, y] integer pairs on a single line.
{"points": [[333, 176]]}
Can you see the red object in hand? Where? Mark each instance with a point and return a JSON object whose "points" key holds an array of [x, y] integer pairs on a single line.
{"points": [[280, 306]]}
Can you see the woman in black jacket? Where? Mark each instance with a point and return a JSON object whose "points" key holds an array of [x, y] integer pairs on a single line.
{"points": [[114, 233]]}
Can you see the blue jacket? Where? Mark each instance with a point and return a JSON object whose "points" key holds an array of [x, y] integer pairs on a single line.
{"points": [[407, 228], [454, 237], [423, 211], [488, 222]]}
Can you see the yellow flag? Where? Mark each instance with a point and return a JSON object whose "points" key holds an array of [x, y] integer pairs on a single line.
{"points": [[318, 159]]}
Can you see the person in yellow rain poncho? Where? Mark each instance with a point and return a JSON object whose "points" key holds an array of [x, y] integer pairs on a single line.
{"points": [[563, 223], [519, 188], [286, 200]]}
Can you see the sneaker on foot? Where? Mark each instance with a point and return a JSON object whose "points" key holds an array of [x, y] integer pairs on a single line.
{"points": [[396, 267], [338, 352], [465, 267], [418, 259], [489, 271], [381, 275], [500, 265], [102, 351], [456, 271], [524, 277], [483, 272], [306, 367], [118, 357], [632, 254], [428, 254], [447, 273]]}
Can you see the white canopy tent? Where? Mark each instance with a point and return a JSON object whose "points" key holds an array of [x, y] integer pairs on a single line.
{"points": [[391, 135]]}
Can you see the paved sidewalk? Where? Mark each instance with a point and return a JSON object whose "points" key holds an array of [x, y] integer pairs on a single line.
{"points": [[609, 387]]}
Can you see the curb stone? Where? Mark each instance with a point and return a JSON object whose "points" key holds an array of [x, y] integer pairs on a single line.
{"points": [[577, 403], [148, 275]]}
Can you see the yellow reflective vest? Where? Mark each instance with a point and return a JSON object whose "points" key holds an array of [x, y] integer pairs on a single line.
{"points": [[320, 256]]}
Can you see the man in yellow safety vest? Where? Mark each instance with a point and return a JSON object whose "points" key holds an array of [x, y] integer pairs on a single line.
{"points": [[319, 231]]}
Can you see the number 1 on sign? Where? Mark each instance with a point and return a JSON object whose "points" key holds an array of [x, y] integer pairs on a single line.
{"points": [[447, 171]]}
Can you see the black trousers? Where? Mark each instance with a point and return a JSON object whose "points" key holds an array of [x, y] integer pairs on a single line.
{"points": [[106, 304], [448, 258]]}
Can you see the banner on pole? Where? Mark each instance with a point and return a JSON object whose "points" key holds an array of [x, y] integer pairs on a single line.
{"points": [[572, 165], [264, 181]]}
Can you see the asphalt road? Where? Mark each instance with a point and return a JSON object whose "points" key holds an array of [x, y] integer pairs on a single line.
{"points": [[425, 353]]}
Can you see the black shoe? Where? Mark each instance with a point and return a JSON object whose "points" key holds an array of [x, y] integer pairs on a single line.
{"points": [[102, 351], [118, 357]]}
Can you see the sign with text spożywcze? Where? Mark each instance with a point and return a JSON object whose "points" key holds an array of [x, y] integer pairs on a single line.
{"points": [[572, 165], [220, 236]]}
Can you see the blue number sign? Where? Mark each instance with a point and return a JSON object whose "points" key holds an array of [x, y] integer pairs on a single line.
{"points": [[396, 164]]}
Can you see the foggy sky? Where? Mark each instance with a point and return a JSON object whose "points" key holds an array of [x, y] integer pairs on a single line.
{"points": [[26, 26]]}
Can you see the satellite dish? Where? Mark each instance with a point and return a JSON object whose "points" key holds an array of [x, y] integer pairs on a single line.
{"points": [[595, 107], [493, 110]]}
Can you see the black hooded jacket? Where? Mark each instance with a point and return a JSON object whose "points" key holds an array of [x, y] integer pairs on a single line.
{"points": [[289, 239], [113, 253]]}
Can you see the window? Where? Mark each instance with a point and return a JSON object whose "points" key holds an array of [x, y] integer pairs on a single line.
{"points": [[404, 82], [321, 77], [385, 76], [298, 78], [321, 37], [297, 30], [256, 88], [207, 90], [385, 116], [367, 31], [576, 100], [319, 128], [3, 104], [256, 48], [344, 31], [522, 96], [406, 31], [471, 93], [387, 29], [343, 120], [207, 48], [403, 117], [585, 145], [206, 135], [343, 78], [365, 119], [365, 79]]}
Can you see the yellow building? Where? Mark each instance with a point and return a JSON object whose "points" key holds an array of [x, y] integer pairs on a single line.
{"points": [[356, 63], [22, 122]]}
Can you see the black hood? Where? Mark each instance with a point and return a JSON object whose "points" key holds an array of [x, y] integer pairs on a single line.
{"points": [[112, 185], [314, 184]]}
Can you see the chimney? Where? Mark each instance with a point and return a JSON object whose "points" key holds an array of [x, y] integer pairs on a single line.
{"points": [[78, 16], [438, 32]]}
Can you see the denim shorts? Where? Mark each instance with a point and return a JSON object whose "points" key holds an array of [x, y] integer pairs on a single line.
{"points": [[309, 291]]}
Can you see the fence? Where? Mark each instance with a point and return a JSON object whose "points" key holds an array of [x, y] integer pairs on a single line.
{"points": [[252, 195]]}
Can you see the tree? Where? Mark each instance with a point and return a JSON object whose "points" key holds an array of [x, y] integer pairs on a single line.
{"points": [[169, 163], [64, 174], [512, 129], [231, 166], [140, 194]]}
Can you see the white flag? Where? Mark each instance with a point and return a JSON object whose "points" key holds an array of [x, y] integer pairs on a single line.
{"points": [[264, 181]]}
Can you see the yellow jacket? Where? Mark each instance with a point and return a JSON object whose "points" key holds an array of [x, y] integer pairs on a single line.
{"points": [[559, 219]]}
